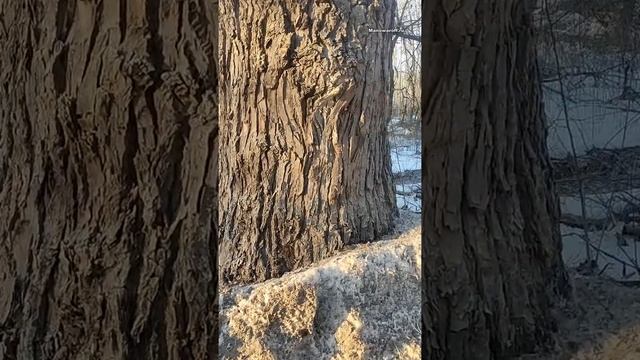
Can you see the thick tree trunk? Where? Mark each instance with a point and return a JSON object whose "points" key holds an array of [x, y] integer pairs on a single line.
{"points": [[304, 156], [493, 253], [108, 132]]}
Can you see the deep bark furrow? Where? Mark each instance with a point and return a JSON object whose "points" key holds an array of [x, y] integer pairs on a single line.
{"points": [[99, 8], [122, 21]]}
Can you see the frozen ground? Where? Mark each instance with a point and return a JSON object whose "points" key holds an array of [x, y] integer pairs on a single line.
{"points": [[406, 155], [408, 197], [597, 118], [361, 304], [600, 205], [617, 255], [406, 160], [602, 322]]}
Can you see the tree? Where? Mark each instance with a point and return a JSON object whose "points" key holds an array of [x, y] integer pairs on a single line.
{"points": [[304, 155], [492, 258], [108, 139]]}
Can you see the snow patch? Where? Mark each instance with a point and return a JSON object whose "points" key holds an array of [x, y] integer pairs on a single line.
{"points": [[616, 255], [405, 156]]}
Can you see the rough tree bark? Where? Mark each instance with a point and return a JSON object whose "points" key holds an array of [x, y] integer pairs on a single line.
{"points": [[492, 258], [304, 157], [108, 133]]}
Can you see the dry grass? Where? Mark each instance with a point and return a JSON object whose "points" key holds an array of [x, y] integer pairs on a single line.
{"points": [[362, 304]]}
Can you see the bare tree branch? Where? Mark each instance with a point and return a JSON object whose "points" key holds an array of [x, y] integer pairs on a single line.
{"points": [[409, 36]]}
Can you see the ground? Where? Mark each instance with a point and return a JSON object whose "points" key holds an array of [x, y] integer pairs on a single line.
{"points": [[602, 322], [364, 303], [361, 304], [406, 159]]}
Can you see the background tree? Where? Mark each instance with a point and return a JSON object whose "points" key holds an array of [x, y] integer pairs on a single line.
{"points": [[404, 123], [493, 254], [304, 156], [405, 115], [108, 179]]}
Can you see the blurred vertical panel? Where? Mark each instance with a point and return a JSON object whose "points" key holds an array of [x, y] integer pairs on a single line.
{"points": [[491, 253], [108, 155]]}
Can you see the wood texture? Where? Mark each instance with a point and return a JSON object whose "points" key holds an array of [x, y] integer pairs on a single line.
{"points": [[304, 156], [108, 132], [492, 257]]}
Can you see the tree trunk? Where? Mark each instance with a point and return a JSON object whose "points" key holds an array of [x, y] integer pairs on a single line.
{"points": [[108, 179], [493, 253], [304, 156]]}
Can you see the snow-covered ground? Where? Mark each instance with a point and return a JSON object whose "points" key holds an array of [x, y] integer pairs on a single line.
{"points": [[602, 322], [406, 157], [617, 255], [600, 205], [596, 118], [407, 197]]}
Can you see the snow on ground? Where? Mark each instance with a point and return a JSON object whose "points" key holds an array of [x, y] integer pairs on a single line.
{"points": [[407, 197], [599, 206], [616, 254], [602, 320], [597, 119], [361, 304], [609, 256], [406, 155]]}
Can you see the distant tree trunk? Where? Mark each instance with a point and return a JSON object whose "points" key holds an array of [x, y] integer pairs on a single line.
{"points": [[108, 138], [626, 27], [627, 34], [304, 156], [493, 253]]}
